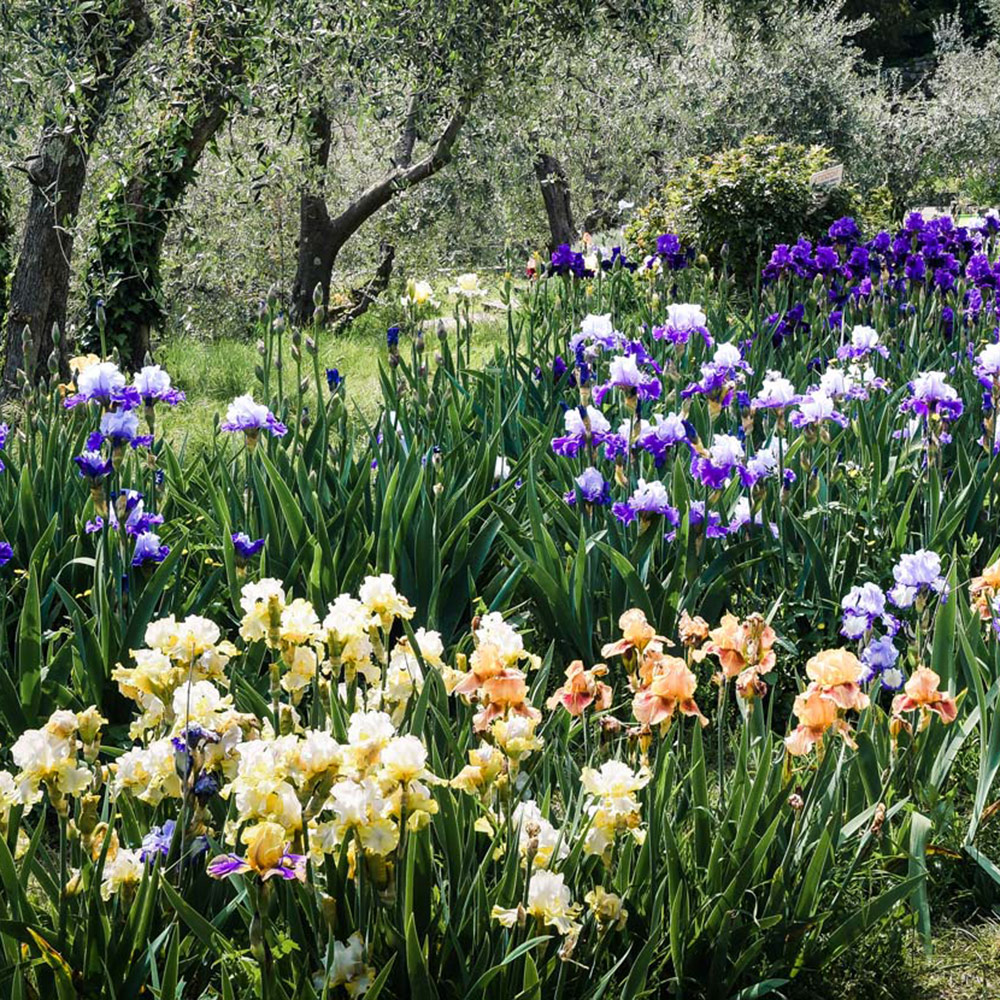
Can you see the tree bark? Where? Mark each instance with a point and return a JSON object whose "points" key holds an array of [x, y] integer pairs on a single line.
{"points": [[6, 244], [314, 257], [57, 173], [321, 238], [555, 193]]}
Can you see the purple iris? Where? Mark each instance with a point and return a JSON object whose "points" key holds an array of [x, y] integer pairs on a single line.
{"points": [[880, 657], [206, 787], [827, 260], [915, 268], [683, 319], [671, 253], [765, 464], [559, 368], [566, 261], [129, 505], [591, 487], [153, 385], [93, 465], [647, 501], [392, 337], [858, 265], [334, 379], [987, 366], [6, 553], [714, 528], [244, 414], [624, 373], [715, 467], [742, 516], [121, 427], [662, 434], [863, 606], [844, 230], [103, 383], [244, 546], [980, 271], [596, 334], [815, 408], [584, 426], [720, 376], [776, 393], [157, 841], [616, 258], [864, 341], [917, 575], [931, 395], [781, 327], [289, 866], [148, 550]]}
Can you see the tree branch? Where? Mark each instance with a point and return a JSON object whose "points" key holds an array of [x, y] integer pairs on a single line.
{"points": [[403, 156], [382, 192], [367, 294]]}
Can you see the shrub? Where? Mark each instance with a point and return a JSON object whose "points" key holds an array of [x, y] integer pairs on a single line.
{"points": [[732, 203]]}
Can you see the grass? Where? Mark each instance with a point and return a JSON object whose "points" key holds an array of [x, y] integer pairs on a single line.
{"points": [[965, 965], [212, 372]]}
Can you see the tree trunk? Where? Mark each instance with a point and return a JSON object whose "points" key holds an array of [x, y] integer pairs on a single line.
{"points": [[40, 288], [555, 193], [361, 299], [321, 237], [57, 173], [6, 244], [315, 258], [124, 270]]}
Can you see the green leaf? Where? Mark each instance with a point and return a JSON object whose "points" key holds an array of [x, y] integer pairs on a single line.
{"points": [[29, 643], [920, 831], [168, 985], [421, 986]]}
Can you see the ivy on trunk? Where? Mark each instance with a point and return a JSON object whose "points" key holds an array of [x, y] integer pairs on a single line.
{"points": [[136, 212]]}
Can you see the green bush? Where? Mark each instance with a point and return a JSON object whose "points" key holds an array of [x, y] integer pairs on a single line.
{"points": [[731, 204]]}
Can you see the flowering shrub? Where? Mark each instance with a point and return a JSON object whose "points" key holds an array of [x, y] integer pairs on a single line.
{"points": [[732, 204]]}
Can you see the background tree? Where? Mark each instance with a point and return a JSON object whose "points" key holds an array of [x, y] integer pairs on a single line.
{"points": [[552, 179], [446, 58], [6, 244], [86, 49], [220, 43]]}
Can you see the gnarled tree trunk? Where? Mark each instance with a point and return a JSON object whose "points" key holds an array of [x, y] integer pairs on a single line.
{"points": [[316, 255], [57, 173], [555, 193], [322, 237]]}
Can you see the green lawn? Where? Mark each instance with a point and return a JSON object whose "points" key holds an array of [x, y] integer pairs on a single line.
{"points": [[212, 372]]}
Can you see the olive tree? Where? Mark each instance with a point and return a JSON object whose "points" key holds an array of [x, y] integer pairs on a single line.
{"points": [[219, 46], [75, 58]]}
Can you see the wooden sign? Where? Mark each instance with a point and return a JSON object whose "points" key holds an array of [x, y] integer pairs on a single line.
{"points": [[831, 177]]}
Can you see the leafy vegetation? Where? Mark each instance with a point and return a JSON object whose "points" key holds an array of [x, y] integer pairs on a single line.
{"points": [[227, 773], [614, 622]]}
